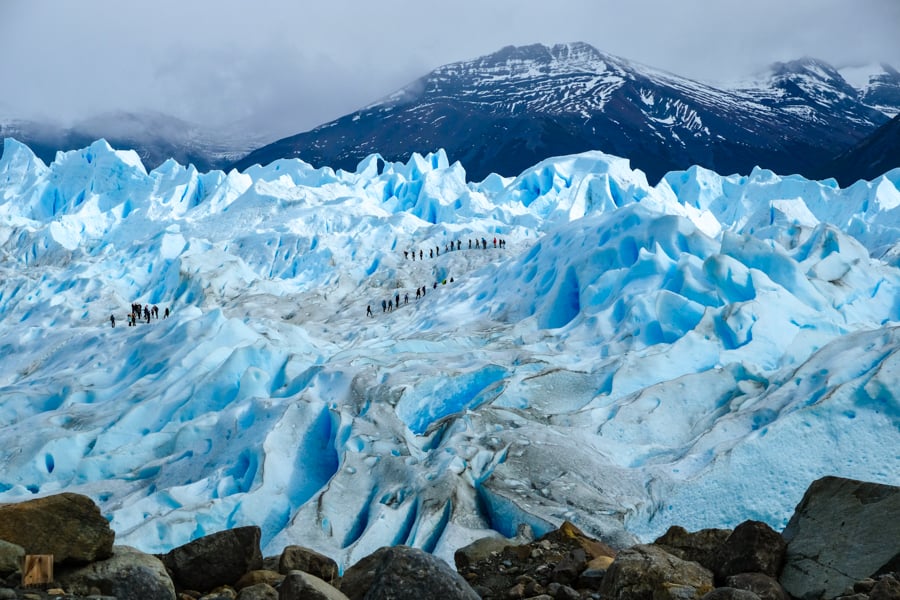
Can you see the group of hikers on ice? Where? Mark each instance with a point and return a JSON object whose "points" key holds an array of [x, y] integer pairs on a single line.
{"points": [[139, 311], [391, 303], [451, 246]]}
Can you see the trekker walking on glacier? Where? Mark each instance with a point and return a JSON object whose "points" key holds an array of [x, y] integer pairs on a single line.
{"points": [[369, 310], [383, 305], [112, 319]]}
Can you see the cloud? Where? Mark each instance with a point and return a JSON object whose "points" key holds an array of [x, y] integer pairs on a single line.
{"points": [[279, 67]]}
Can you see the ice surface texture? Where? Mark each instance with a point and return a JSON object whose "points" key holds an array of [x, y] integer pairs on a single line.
{"points": [[693, 353]]}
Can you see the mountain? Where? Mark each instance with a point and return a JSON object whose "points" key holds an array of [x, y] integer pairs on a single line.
{"points": [[155, 137], [877, 154], [503, 112], [879, 86], [694, 352]]}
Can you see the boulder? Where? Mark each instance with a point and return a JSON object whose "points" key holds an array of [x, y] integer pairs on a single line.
{"points": [[128, 575], [258, 591], [767, 588], [68, 526], [701, 546], [886, 588], [404, 573], [479, 550], [842, 531], [730, 593], [298, 558], [221, 558], [11, 557], [753, 547], [273, 578], [298, 585], [647, 572]]}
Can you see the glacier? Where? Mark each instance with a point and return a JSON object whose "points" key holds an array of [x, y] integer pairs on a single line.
{"points": [[695, 352]]}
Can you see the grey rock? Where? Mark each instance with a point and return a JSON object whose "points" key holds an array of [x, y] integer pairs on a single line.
{"points": [[730, 593], [128, 575], [298, 585], [647, 572], [841, 532], [217, 559], [11, 557], [259, 591], [404, 573], [68, 526]]}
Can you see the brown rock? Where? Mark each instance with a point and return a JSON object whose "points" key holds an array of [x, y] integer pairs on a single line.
{"points": [[701, 546], [767, 588], [753, 547], [68, 526], [886, 588], [298, 558], [271, 578], [647, 572]]}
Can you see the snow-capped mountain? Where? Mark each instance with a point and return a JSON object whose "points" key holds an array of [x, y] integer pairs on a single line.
{"points": [[879, 86], [503, 112], [634, 356], [155, 137]]}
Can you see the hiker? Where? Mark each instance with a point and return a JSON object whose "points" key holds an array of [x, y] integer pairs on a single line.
{"points": [[430, 253], [495, 242], [147, 314], [483, 244], [423, 291], [390, 305], [369, 310], [112, 319], [155, 311], [418, 293], [470, 243], [435, 285], [397, 301], [405, 254], [166, 314], [437, 250], [420, 255], [383, 305], [406, 298], [414, 255]]}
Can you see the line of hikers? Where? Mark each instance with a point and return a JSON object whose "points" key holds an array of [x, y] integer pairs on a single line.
{"points": [[391, 303], [481, 244], [137, 311]]}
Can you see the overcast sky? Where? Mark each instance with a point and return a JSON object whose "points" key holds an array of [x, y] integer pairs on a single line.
{"points": [[282, 67]]}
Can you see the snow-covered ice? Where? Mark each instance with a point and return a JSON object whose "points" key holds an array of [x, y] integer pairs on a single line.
{"points": [[694, 353]]}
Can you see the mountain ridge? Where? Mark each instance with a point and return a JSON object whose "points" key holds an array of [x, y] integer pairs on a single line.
{"points": [[507, 110]]}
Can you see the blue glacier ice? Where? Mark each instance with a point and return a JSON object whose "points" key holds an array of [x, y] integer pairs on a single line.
{"points": [[632, 357]]}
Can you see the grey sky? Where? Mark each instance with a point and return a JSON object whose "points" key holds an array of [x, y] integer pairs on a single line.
{"points": [[279, 67]]}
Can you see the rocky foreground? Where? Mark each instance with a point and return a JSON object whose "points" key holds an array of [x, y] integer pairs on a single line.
{"points": [[842, 542]]}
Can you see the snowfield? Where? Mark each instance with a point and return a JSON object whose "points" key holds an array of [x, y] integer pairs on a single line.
{"points": [[694, 353]]}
